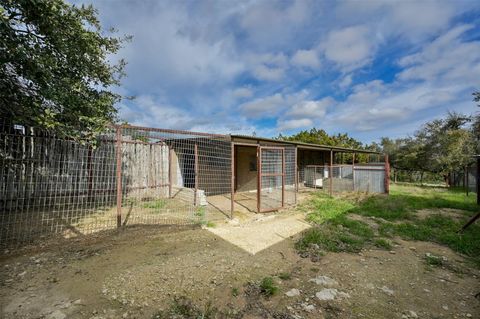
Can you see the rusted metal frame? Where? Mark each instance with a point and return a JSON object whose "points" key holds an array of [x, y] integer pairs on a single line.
{"points": [[119, 175], [283, 177], [196, 174], [259, 177], [170, 171], [296, 175], [387, 175], [279, 148], [232, 181], [152, 129], [331, 172], [269, 210]]}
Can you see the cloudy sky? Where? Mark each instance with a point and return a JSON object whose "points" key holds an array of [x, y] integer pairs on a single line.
{"points": [[369, 68]]}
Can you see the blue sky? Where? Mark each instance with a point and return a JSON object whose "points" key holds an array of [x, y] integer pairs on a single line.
{"points": [[369, 68]]}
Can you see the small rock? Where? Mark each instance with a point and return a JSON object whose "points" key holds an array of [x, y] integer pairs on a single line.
{"points": [[392, 252], [327, 294], [445, 307], [324, 281], [57, 314], [413, 248], [22, 274], [469, 315], [308, 308], [293, 292], [387, 290], [412, 314]]}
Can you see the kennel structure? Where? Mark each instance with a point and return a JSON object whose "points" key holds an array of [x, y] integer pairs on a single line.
{"points": [[135, 175]]}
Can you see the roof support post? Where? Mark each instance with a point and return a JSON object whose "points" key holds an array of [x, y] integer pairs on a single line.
{"points": [[119, 175], [330, 173]]}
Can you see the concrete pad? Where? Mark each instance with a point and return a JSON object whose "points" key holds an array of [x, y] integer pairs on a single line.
{"points": [[262, 233]]}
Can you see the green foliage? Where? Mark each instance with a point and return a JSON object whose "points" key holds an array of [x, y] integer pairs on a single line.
{"points": [[56, 72], [184, 308], [285, 276], [440, 146], [268, 287], [155, 204], [395, 215], [235, 292]]}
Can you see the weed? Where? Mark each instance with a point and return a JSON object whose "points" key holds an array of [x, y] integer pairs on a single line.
{"points": [[155, 204], [235, 292], [285, 276], [183, 308], [211, 224], [382, 243], [268, 287], [433, 260]]}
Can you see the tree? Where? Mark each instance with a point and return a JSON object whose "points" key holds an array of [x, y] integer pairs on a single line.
{"points": [[55, 71]]}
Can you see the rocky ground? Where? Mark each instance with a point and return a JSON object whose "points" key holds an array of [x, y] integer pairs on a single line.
{"points": [[143, 273]]}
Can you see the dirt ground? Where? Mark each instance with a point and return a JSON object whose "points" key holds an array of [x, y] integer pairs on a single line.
{"points": [[138, 272]]}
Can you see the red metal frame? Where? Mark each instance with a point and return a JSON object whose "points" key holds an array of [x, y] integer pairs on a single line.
{"points": [[260, 175]]}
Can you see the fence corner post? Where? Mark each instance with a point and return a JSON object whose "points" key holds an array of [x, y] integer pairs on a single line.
{"points": [[119, 174], [387, 175]]}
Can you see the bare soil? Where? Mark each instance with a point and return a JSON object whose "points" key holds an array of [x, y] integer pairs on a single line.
{"points": [[138, 272]]}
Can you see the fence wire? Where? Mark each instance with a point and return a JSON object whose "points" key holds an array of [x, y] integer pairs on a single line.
{"points": [[53, 186]]}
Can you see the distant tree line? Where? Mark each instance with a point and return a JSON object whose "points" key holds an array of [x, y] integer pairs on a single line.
{"points": [[436, 150]]}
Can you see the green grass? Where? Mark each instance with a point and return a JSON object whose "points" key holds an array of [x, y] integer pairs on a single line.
{"points": [[395, 215], [285, 276], [184, 308], [235, 292], [155, 204], [268, 287]]}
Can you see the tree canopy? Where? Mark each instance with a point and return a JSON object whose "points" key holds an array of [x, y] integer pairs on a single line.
{"points": [[56, 71]]}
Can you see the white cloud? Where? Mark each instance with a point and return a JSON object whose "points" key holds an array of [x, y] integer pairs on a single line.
{"points": [[350, 48], [306, 58], [312, 109], [263, 72], [285, 125], [243, 92], [346, 81], [272, 105]]}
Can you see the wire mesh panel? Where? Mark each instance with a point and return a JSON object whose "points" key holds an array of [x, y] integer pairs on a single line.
{"points": [[272, 166], [290, 178], [341, 179], [54, 186]]}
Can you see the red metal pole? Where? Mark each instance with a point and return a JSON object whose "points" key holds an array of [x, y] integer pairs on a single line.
{"points": [[330, 172], [196, 175], [90, 171], [170, 179], [259, 177], [296, 175], [466, 179], [353, 170], [119, 176], [232, 181], [478, 180], [387, 175], [283, 178]]}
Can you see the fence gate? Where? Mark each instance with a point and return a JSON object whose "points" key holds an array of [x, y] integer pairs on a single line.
{"points": [[271, 178]]}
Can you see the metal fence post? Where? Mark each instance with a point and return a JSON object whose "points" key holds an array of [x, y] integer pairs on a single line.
{"points": [[119, 175], [331, 172], [196, 175], [387, 175], [232, 181], [478, 180], [296, 175], [353, 170], [170, 179]]}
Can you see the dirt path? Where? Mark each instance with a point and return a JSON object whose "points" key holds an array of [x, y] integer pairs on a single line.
{"points": [[138, 272]]}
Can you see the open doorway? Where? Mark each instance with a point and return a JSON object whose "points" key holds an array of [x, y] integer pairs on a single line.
{"points": [[246, 176]]}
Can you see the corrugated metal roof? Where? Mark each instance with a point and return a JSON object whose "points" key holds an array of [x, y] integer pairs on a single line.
{"points": [[304, 145]]}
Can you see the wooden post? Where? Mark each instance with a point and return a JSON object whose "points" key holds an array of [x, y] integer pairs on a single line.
{"points": [[196, 174], [170, 171], [314, 176], [353, 170], [232, 181], [331, 171], [387, 175], [119, 176]]}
